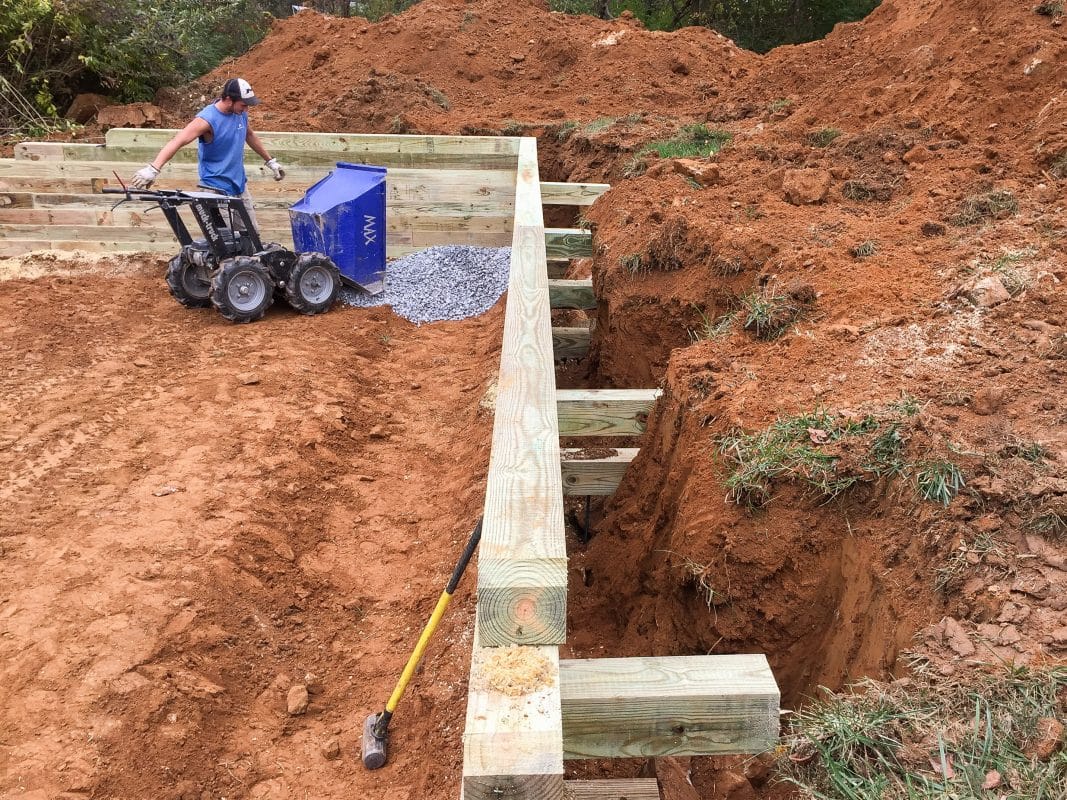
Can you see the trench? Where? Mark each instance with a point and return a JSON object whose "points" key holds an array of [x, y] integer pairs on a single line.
{"points": [[825, 591]]}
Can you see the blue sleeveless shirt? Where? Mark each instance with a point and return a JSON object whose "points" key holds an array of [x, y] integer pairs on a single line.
{"points": [[221, 161]]}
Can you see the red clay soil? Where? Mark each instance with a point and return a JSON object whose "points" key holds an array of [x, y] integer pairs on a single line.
{"points": [[200, 516], [228, 539]]}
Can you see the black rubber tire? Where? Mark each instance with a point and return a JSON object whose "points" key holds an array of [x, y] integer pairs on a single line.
{"points": [[186, 285], [313, 284], [242, 289]]}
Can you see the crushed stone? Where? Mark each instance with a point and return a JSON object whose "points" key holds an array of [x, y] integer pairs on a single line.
{"points": [[450, 282]]}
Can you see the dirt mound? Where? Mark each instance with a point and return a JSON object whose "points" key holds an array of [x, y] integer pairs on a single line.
{"points": [[447, 66]]}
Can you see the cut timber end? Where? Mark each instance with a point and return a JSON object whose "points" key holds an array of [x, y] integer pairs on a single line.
{"points": [[670, 706], [512, 744], [594, 476]]}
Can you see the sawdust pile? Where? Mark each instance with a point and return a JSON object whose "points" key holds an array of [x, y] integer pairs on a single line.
{"points": [[516, 671]]}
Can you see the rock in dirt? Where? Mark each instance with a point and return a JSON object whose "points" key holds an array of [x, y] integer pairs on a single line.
{"points": [[85, 107], [1049, 739], [296, 702], [957, 639], [703, 173], [331, 750], [917, 155], [806, 186], [378, 432], [988, 400], [248, 378], [986, 292], [133, 115]]}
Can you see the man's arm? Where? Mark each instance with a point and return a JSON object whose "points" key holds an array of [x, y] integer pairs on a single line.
{"points": [[190, 133], [257, 147], [145, 176]]}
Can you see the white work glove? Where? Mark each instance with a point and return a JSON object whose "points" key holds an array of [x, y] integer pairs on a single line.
{"points": [[144, 177], [276, 168]]}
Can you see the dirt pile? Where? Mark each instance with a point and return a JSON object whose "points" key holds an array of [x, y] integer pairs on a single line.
{"points": [[447, 66]]}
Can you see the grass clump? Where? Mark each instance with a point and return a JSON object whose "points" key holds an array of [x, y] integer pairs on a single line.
{"points": [[829, 453], [512, 128], [633, 263], [985, 549], [823, 138], [987, 206], [1050, 8], [692, 141], [599, 124], [932, 738], [565, 130], [1058, 168], [771, 309], [864, 249], [864, 192], [781, 104], [635, 167], [709, 329], [938, 481]]}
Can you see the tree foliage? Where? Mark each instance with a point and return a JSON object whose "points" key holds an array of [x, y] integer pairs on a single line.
{"points": [[54, 49]]}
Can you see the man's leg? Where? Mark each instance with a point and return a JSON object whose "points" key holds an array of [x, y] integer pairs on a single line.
{"points": [[247, 198]]}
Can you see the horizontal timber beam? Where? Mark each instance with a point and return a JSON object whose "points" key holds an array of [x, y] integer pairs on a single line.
{"points": [[622, 789], [604, 412], [342, 142], [570, 342], [561, 243], [571, 294], [571, 194], [586, 472], [668, 706]]}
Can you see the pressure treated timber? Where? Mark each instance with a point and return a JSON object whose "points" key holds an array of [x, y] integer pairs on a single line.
{"points": [[512, 745], [571, 294], [522, 566], [568, 243], [339, 142], [570, 342], [571, 194], [604, 412], [668, 706], [621, 789], [598, 475]]}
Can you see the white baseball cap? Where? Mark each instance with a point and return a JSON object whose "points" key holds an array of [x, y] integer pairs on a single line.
{"points": [[240, 89]]}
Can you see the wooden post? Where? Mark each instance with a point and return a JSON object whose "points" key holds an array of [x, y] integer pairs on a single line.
{"points": [[570, 342], [522, 567]]}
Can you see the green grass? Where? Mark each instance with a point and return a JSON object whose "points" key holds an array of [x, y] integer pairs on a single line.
{"points": [[823, 138], [692, 141], [709, 329], [565, 130], [831, 453], [1050, 8], [512, 128], [809, 448], [988, 206], [599, 124], [985, 549], [1006, 268], [769, 312], [780, 104], [931, 738], [938, 480]]}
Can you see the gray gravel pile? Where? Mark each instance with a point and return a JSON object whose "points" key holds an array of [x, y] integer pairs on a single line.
{"points": [[441, 283]]}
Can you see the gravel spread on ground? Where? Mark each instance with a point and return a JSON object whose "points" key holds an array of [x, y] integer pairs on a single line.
{"points": [[441, 283]]}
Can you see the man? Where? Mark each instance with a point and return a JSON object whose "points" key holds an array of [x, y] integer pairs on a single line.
{"points": [[222, 130]]}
